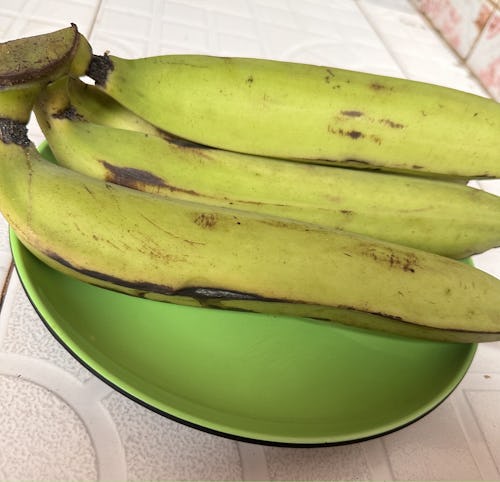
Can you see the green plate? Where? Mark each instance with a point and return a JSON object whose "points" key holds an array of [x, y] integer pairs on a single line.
{"points": [[273, 380]]}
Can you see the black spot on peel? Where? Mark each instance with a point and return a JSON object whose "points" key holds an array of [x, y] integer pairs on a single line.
{"points": [[13, 132], [206, 220], [99, 68], [215, 293], [355, 134], [69, 113], [249, 80], [343, 132]]}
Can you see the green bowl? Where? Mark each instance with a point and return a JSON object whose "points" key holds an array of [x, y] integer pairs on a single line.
{"points": [[267, 379]]}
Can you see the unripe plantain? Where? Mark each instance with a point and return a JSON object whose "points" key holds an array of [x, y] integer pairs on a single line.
{"points": [[444, 218], [177, 251], [310, 113]]}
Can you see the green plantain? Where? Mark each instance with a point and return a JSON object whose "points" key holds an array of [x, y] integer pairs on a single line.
{"points": [[310, 113], [449, 219], [183, 252]]}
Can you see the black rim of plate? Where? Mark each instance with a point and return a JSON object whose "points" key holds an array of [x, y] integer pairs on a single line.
{"points": [[227, 435]]}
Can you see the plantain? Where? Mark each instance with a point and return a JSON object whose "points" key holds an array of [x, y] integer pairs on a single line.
{"points": [[444, 218], [96, 106], [177, 251], [309, 113], [180, 251]]}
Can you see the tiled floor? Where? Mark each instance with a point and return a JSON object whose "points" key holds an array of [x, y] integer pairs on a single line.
{"points": [[59, 422]]}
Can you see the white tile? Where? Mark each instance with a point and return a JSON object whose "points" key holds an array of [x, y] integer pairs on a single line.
{"points": [[489, 261], [379, 36], [484, 59], [157, 448], [458, 21], [42, 437], [486, 359], [325, 463], [23, 333], [420, 52], [433, 448], [485, 404]]}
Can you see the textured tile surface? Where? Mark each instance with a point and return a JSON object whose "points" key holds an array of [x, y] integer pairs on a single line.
{"points": [[459, 21], [60, 422], [484, 59]]}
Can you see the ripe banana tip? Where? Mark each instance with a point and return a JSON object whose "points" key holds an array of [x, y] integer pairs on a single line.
{"points": [[99, 67], [13, 132]]}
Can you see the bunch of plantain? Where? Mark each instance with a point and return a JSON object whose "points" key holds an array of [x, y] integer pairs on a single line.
{"points": [[256, 185]]}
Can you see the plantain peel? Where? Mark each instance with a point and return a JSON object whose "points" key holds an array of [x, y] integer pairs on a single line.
{"points": [[177, 251], [446, 218], [169, 246], [310, 113]]}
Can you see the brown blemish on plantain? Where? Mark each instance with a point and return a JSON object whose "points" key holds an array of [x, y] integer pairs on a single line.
{"points": [[131, 177], [180, 142], [352, 134], [206, 220], [13, 132], [352, 113], [146, 287], [379, 87], [69, 113], [99, 68], [407, 262], [218, 293], [143, 286], [390, 123], [359, 162], [249, 81], [330, 75]]}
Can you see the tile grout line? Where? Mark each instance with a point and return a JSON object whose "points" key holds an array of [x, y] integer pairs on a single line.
{"points": [[377, 458], [94, 18], [11, 288], [472, 431], [460, 60], [253, 461], [6, 284], [154, 37], [258, 30], [376, 30]]}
